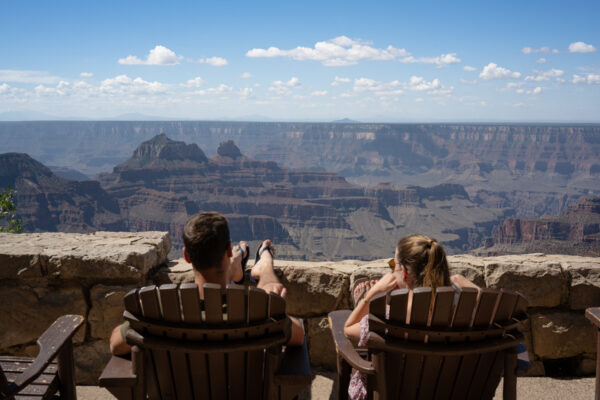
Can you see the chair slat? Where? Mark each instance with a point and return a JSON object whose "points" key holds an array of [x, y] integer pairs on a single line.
{"points": [[192, 313], [257, 310], [412, 372], [160, 361], [463, 314], [236, 365], [521, 307], [378, 305], [169, 297], [431, 369], [494, 376], [216, 362], [132, 302], [506, 306], [468, 366], [479, 377], [488, 299], [398, 305]]}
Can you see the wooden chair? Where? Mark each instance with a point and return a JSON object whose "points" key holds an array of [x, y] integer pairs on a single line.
{"points": [[455, 345], [225, 346], [42, 377], [593, 314]]}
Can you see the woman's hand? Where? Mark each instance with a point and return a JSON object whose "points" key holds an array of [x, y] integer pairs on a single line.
{"points": [[385, 284]]}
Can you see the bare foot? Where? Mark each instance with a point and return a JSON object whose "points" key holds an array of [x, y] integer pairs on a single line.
{"points": [[235, 262], [361, 289], [265, 260]]}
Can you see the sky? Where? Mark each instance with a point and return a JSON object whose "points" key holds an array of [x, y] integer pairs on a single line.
{"points": [[526, 61]]}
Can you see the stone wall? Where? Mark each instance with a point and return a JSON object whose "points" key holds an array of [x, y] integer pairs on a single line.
{"points": [[46, 275]]}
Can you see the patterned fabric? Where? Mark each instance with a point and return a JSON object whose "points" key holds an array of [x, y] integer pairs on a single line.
{"points": [[357, 389]]}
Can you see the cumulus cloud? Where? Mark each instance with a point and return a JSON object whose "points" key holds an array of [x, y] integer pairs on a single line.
{"points": [[468, 68], [86, 74], [123, 84], [214, 61], [581, 47], [194, 83], [492, 71], [246, 75], [337, 81], [419, 83], [319, 93], [282, 88], [536, 90], [219, 90], [545, 50], [26, 76], [415, 83], [246, 92], [159, 55], [541, 76], [343, 51], [541, 60], [589, 79], [339, 51], [4, 88]]}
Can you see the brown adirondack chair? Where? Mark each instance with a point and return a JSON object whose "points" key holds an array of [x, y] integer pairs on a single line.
{"points": [[455, 346], [49, 372], [225, 346], [593, 314]]}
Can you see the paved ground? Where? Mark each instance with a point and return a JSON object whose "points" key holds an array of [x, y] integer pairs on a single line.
{"points": [[527, 388]]}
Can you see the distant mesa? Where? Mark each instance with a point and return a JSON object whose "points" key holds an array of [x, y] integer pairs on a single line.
{"points": [[68, 173], [229, 149], [161, 148], [345, 121]]}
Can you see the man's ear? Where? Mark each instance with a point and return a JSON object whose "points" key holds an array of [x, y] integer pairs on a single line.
{"points": [[229, 250], [186, 256]]}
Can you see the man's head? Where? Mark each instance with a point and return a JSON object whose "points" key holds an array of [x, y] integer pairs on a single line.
{"points": [[206, 239]]}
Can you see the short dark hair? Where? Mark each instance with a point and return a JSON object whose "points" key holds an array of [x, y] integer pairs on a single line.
{"points": [[206, 239]]}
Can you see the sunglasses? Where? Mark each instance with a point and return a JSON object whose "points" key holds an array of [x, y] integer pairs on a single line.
{"points": [[392, 264]]}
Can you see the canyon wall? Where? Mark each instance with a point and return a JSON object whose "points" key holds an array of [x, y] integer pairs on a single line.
{"points": [[46, 275]]}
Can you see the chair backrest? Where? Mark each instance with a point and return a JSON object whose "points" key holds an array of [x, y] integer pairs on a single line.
{"points": [[3, 380], [226, 345], [443, 343]]}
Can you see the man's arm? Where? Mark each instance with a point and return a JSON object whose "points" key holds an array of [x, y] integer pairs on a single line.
{"points": [[118, 346]]}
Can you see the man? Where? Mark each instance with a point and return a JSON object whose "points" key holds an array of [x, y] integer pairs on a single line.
{"points": [[208, 248]]}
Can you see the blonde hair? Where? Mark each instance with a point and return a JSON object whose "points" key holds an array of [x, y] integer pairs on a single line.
{"points": [[425, 259]]}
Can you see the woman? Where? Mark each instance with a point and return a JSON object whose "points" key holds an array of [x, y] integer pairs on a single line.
{"points": [[419, 261]]}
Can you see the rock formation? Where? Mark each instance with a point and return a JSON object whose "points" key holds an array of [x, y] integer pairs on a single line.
{"points": [[46, 202], [310, 214], [575, 231]]}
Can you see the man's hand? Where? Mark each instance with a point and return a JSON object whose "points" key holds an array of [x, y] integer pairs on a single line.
{"points": [[276, 288]]}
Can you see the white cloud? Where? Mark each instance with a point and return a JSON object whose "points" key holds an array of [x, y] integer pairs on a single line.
{"points": [[194, 83], [319, 93], [536, 90], [214, 61], [246, 75], [466, 82], [493, 71], [25, 76], [86, 74], [589, 79], [4, 88], [246, 92], [545, 75], [122, 84], [439, 61], [513, 85], [468, 68], [339, 51], [221, 89], [545, 50], [393, 88], [541, 60], [419, 84], [337, 81], [581, 47], [282, 88], [159, 55]]}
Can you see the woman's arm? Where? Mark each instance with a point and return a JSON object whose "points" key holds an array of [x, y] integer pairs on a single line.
{"points": [[118, 346], [462, 282], [352, 325], [297, 337]]}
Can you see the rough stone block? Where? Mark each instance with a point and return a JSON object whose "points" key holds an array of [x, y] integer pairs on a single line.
{"points": [[25, 312], [587, 365], [314, 290], [543, 284], [321, 349], [18, 266], [558, 334], [472, 272], [585, 285], [107, 309], [90, 360], [174, 271]]}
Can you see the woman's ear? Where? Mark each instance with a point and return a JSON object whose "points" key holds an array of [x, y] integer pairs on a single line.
{"points": [[186, 256], [229, 250]]}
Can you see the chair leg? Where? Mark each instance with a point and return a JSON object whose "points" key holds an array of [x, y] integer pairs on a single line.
{"points": [[66, 372], [510, 376], [598, 367], [344, 372]]}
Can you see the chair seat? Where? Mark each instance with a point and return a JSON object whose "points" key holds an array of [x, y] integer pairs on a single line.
{"points": [[42, 387]]}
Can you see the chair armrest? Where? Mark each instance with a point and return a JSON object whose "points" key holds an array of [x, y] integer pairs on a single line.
{"points": [[51, 343], [118, 372], [343, 345], [593, 314], [294, 367]]}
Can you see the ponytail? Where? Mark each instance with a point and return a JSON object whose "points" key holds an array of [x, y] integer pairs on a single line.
{"points": [[425, 260]]}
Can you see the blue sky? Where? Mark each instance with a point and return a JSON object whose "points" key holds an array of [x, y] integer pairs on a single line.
{"points": [[311, 61]]}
